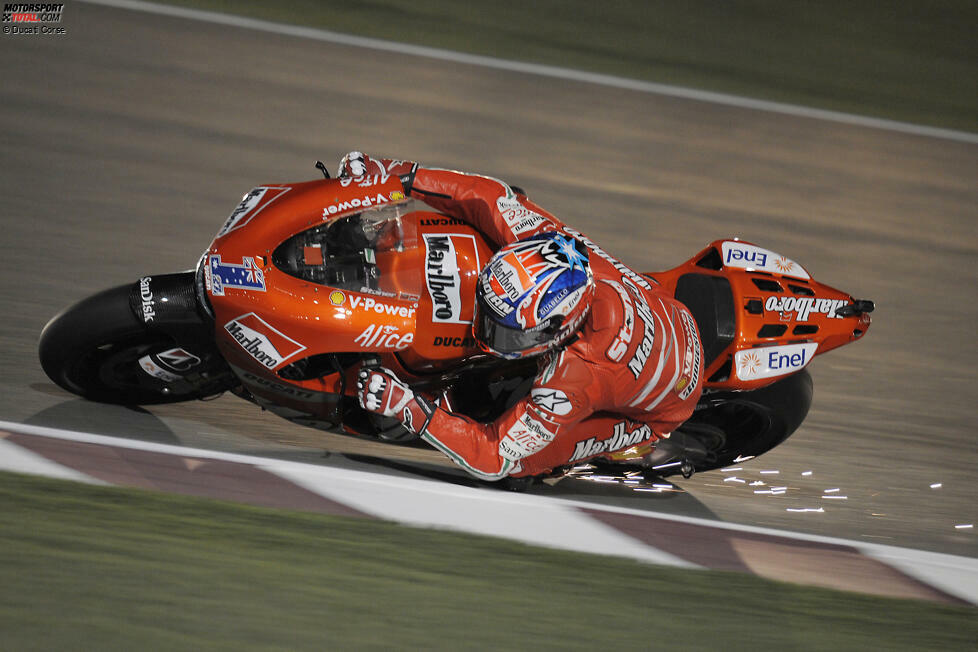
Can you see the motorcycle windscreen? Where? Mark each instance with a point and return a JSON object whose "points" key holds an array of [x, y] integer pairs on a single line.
{"points": [[351, 253]]}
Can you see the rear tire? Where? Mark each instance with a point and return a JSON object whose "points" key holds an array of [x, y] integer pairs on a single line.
{"points": [[728, 426], [93, 349], [753, 422]]}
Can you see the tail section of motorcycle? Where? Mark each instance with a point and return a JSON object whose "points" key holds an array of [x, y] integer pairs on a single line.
{"points": [[761, 316], [761, 319]]}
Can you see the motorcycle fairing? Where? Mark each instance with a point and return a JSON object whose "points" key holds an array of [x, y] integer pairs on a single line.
{"points": [[350, 268], [331, 271], [761, 315]]}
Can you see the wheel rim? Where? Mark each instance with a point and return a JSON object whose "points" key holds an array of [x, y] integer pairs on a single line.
{"points": [[115, 368]]}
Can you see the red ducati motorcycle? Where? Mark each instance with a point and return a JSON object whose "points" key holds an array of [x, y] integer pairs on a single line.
{"points": [[306, 282]]}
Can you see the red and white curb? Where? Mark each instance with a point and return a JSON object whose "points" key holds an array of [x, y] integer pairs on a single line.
{"points": [[567, 524]]}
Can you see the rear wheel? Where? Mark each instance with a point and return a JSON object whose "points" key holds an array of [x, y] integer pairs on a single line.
{"points": [[728, 426], [100, 350]]}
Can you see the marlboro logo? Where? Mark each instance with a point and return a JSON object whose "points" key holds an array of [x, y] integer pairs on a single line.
{"points": [[443, 276], [262, 342]]}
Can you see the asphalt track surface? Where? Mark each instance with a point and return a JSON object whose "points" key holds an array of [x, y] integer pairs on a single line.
{"points": [[125, 144]]}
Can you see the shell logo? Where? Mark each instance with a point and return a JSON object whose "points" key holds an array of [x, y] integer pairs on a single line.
{"points": [[397, 195], [749, 365], [337, 298]]}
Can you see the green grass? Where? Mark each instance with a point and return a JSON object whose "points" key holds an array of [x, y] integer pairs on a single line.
{"points": [[914, 61], [86, 567]]}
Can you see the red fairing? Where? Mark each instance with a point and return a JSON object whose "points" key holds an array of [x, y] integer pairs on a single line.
{"points": [[633, 375]]}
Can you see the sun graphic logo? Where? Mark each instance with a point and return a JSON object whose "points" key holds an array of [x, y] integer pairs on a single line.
{"points": [[749, 365], [783, 264]]}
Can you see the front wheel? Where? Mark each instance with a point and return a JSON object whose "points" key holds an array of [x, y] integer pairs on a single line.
{"points": [[100, 350]]}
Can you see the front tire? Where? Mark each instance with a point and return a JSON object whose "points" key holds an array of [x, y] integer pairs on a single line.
{"points": [[93, 349]]}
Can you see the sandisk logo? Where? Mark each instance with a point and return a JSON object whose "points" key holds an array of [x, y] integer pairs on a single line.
{"points": [[146, 298], [262, 342]]}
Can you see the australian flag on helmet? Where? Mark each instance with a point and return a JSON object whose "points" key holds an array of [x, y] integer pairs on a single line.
{"points": [[533, 295]]}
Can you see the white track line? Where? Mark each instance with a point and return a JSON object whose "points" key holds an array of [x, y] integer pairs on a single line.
{"points": [[19, 460], [537, 521], [541, 70], [424, 502]]}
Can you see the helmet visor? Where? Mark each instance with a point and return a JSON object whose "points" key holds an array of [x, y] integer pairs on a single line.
{"points": [[514, 340]]}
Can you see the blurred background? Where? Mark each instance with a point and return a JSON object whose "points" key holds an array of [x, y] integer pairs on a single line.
{"points": [[125, 142]]}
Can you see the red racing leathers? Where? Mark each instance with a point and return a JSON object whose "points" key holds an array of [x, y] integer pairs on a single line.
{"points": [[631, 377]]}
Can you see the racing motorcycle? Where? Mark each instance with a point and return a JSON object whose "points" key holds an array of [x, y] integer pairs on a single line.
{"points": [[307, 282]]}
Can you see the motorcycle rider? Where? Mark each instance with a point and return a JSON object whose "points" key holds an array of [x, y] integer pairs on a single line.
{"points": [[619, 359]]}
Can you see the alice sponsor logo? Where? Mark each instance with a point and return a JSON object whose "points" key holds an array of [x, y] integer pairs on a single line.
{"points": [[262, 342], [620, 438], [516, 214], [146, 297], [805, 306], [525, 437], [381, 308], [365, 181], [384, 337]]}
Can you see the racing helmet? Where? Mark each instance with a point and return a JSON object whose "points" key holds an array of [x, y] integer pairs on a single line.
{"points": [[532, 296]]}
